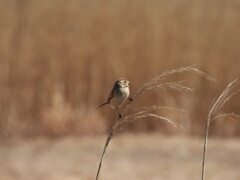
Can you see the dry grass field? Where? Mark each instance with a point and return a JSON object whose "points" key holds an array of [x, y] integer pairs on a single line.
{"points": [[130, 157], [55, 57], [59, 59]]}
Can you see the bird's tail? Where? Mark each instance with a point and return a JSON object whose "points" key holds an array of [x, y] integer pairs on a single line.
{"points": [[103, 104]]}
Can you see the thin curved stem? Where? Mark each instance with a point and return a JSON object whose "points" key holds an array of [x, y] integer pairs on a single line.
{"points": [[205, 149], [109, 137]]}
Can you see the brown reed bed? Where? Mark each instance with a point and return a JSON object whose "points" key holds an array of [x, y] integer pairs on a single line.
{"points": [[76, 47]]}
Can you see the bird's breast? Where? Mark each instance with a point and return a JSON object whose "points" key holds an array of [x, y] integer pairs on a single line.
{"points": [[123, 93]]}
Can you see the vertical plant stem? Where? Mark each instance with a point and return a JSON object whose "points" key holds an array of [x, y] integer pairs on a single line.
{"points": [[110, 134], [109, 137], [205, 149]]}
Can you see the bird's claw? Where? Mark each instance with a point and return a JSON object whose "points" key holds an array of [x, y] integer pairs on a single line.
{"points": [[119, 115], [130, 99]]}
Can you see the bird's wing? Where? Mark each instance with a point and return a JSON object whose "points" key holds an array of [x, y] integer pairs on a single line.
{"points": [[111, 95]]}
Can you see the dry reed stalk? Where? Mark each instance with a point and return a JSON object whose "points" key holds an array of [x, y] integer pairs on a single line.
{"points": [[231, 90], [145, 112]]}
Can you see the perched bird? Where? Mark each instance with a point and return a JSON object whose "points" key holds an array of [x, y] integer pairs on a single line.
{"points": [[119, 94]]}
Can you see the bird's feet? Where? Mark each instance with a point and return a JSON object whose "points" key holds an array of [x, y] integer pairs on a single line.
{"points": [[119, 115], [130, 99]]}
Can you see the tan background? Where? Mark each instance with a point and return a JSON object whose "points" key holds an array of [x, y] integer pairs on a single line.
{"points": [[59, 60]]}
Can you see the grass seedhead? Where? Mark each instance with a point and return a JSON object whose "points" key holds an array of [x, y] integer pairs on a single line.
{"points": [[231, 90], [129, 113]]}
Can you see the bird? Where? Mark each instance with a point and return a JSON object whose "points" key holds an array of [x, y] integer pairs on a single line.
{"points": [[119, 94]]}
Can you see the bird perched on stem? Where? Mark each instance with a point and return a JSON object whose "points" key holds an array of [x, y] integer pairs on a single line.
{"points": [[119, 94]]}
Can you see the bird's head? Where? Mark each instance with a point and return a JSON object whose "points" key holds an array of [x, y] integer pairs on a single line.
{"points": [[122, 83]]}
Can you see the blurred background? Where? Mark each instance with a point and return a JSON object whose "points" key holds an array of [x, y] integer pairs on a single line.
{"points": [[59, 60]]}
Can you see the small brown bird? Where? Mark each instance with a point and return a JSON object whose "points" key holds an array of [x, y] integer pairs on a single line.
{"points": [[119, 94]]}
